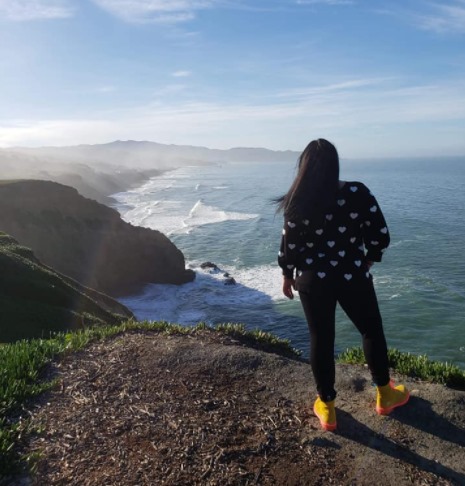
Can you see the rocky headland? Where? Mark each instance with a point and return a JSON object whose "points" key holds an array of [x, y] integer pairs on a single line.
{"points": [[86, 240]]}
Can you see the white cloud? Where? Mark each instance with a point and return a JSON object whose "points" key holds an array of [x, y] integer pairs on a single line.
{"points": [[352, 84], [444, 18], [181, 74], [163, 11], [387, 109], [25, 10]]}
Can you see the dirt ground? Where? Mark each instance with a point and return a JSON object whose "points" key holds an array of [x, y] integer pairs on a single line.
{"points": [[204, 409]]}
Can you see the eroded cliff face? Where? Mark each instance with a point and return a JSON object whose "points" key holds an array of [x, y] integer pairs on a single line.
{"points": [[86, 240]]}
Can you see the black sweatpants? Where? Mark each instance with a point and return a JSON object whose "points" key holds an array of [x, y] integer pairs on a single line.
{"points": [[358, 300]]}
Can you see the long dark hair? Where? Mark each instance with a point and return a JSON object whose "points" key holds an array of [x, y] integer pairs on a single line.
{"points": [[313, 191]]}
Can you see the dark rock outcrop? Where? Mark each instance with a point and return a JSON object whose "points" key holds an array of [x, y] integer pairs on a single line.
{"points": [[86, 240], [36, 301], [209, 265]]}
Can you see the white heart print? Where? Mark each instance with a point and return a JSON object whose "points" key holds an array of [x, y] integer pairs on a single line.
{"points": [[306, 222], [310, 245], [291, 246], [331, 243], [341, 202], [358, 262], [352, 240], [280, 254], [374, 243], [322, 274], [329, 217], [341, 253], [347, 276], [353, 188], [342, 229], [353, 215], [319, 231], [334, 262], [290, 267], [373, 209], [384, 230], [290, 224], [309, 261]]}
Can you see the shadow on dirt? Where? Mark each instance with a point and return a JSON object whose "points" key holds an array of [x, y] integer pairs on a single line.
{"points": [[418, 415]]}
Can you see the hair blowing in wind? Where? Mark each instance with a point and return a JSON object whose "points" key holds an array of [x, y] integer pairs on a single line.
{"points": [[314, 188]]}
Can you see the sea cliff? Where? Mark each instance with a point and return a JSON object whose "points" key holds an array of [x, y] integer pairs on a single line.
{"points": [[86, 240]]}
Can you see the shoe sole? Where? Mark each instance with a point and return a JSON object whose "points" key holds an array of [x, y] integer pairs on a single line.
{"points": [[387, 411], [325, 425]]}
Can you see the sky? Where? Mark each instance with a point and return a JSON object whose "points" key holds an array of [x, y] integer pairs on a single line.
{"points": [[377, 78]]}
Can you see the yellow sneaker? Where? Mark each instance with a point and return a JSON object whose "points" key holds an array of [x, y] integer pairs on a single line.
{"points": [[326, 412], [388, 397]]}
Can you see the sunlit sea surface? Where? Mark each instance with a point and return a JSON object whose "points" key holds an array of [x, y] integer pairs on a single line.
{"points": [[224, 214]]}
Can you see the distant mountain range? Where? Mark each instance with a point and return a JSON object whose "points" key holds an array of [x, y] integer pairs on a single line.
{"points": [[148, 155], [97, 171]]}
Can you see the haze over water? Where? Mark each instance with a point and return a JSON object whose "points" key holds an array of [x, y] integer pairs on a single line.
{"points": [[224, 214]]}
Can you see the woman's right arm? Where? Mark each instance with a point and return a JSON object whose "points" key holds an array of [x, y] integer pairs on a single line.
{"points": [[287, 257]]}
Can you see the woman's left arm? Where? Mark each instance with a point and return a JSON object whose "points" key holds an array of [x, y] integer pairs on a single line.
{"points": [[375, 231]]}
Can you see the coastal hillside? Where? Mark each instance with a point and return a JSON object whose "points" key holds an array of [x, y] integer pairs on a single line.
{"points": [[36, 301], [205, 408], [87, 241], [91, 179]]}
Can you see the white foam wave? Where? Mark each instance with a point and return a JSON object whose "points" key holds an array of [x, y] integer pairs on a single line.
{"points": [[201, 214], [167, 215], [194, 302]]}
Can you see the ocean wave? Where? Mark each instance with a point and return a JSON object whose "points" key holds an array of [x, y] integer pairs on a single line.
{"points": [[201, 214], [196, 301]]}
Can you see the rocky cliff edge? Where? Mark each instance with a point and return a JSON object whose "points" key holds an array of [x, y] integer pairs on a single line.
{"points": [[86, 240]]}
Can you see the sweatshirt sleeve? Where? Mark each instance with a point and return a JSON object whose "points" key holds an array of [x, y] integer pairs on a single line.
{"points": [[289, 249], [375, 231]]}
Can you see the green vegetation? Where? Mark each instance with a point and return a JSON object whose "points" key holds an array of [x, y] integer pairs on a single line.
{"points": [[420, 367], [258, 338], [36, 301]]}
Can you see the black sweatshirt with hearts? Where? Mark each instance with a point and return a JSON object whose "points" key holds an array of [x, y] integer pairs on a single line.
{"points": [[354, 231]]}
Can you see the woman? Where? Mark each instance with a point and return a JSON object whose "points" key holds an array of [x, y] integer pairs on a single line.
{"points": [[333, 233]]}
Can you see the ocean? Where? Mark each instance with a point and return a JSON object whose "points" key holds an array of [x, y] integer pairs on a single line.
{"points": [[224, 214]]}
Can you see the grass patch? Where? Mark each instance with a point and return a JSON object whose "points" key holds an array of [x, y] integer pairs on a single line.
{"points": [[416, 366], [258, 338]]}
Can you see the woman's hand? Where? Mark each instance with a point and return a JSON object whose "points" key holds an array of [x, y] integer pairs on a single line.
{"points": [[288, 285]]}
